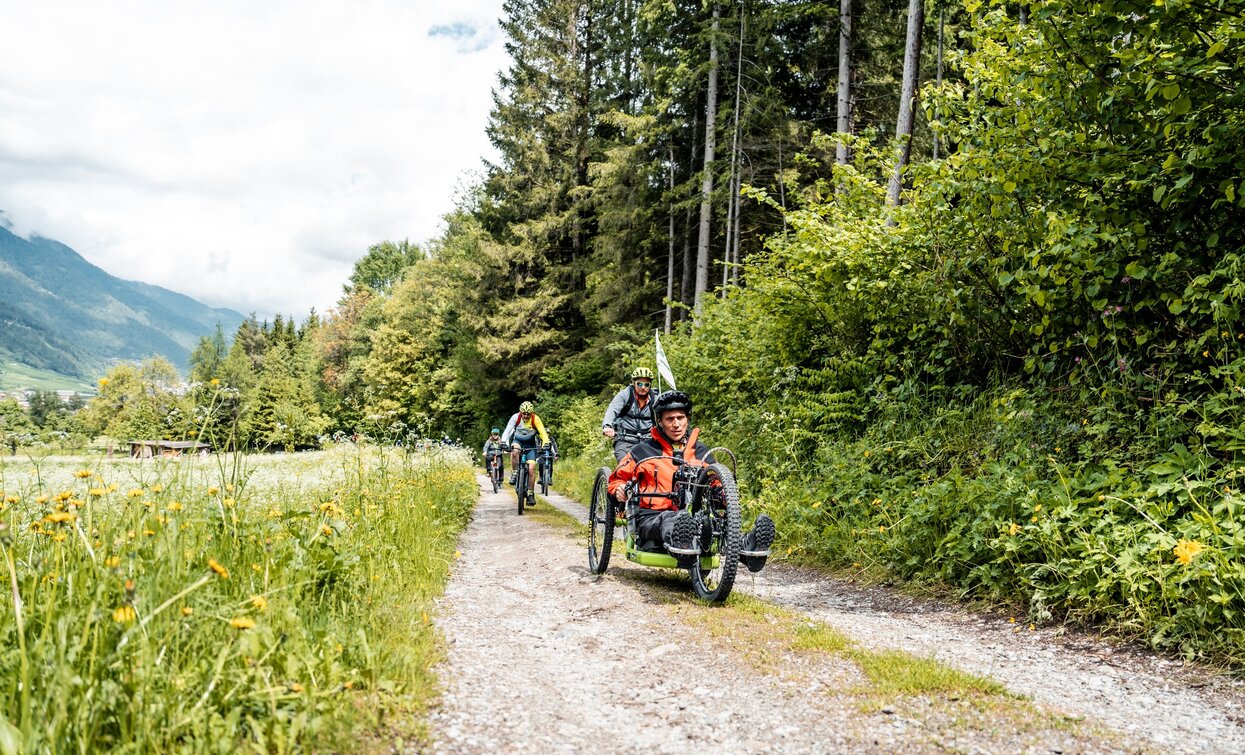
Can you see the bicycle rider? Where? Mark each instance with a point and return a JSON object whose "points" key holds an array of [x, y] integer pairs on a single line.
{"points": [[629, 419], [522, 431], [650, 466], [494, 446]]}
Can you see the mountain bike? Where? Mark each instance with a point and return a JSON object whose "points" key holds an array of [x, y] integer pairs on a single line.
{"points": [[709, 494], [544, 460], [495, 471]]}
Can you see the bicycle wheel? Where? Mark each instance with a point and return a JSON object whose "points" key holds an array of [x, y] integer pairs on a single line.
{"points": [[520, 486], [600, 523], [722, 504], [544, 478], [495, 474]]}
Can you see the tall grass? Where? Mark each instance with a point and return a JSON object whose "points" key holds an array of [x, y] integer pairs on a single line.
{"points": [[276, 605]]}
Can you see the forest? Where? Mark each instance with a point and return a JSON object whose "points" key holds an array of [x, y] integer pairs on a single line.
{"points": [[960, 283]]}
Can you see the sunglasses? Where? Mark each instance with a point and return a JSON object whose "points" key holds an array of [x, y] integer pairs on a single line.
{"points": [[642, 384]]}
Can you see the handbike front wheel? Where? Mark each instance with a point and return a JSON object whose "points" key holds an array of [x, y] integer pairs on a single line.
{"points": [[723, 505], [600, 523]]}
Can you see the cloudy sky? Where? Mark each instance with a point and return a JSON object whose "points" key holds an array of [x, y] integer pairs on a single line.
{"points": [[242, 152]]}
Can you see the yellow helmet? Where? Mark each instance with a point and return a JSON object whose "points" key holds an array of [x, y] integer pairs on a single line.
{"points": [[641, 373], [527, 407]]}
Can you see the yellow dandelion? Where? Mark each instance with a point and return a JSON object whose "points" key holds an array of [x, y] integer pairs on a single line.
{"points": [[11, 499], [1011, 619], [187, 610], [214, 382], [274, 513], [326, 530], [1037, 507], [113, 562], [82, 474], [149, 533], [60, 517], [157, 488], [123, 614], [1206, 353], [296, 687], [348, 685], [458, 554], [1032, 627], [103, 382], [41, 500], [229, 502], [175, 506], [1013, 529], [59, 537], [242, 622], [215, 566], [855, 564], [1033, 518], [260, 602], [881, 528], [1185, 550], [816, 504], [213, 490], [1101, 498], [134, 493]]}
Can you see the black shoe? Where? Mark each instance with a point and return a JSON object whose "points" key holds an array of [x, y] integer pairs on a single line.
{"points": [[531, 500], [683, 532], [514, 476], [758, 541]]}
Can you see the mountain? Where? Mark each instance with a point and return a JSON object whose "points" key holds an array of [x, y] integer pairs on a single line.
{"points": [[59, 312]]}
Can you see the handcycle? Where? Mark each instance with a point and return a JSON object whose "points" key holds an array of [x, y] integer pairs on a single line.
{"points": [[709, 494]]}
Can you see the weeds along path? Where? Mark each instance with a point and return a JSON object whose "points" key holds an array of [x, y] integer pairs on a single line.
{"points": [[544, 657], [1161, 701]]}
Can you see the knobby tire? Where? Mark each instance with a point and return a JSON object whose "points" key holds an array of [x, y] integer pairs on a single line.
{"points": [[715, 585], [600, 524]]}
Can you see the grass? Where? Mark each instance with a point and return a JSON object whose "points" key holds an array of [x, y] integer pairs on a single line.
{"points": [[277, 603], [14, 375]]}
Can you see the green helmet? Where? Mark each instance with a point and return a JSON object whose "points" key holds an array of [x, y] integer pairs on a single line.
{"points": [[494, 431], [527, 407], [640, 373]]}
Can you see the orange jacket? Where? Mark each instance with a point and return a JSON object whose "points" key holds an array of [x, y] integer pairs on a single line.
{"points": [[651, 463]]}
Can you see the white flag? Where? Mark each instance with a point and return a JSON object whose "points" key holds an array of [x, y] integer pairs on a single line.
{"points": [[663, 367]]}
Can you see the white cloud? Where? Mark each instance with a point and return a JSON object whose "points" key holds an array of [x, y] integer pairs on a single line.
{"points": [[243, 153]]}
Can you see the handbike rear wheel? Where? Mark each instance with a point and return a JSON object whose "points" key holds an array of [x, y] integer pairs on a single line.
{"points": [[715, 584], [600, 523]]}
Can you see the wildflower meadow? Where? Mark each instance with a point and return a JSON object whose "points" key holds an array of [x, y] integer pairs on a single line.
{"points": [[233, 602]]}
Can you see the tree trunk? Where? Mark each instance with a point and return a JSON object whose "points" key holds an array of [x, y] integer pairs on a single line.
{"points": [[938, 71], [670, 251], [706, 184], [732, 205], [689, 260], [844, 125], [907, 98]]}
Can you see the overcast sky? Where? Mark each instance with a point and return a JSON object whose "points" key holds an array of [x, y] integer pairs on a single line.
{"points": [[242, 152]]}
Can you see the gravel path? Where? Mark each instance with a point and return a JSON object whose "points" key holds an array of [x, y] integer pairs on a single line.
{"points": [[1175, 706], [544, 657]]}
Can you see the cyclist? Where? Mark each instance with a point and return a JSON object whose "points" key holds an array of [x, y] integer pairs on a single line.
{"points": [[651, 465], [493, 446], [628, 419], [522, 431]]}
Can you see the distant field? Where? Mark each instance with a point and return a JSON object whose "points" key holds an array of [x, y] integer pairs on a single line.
{"points": [[14, 375]]}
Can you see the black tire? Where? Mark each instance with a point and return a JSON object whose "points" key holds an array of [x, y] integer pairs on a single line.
{"points": [[495, 475], [520, 486], [600, 523], [544, 478], [715, 585]]}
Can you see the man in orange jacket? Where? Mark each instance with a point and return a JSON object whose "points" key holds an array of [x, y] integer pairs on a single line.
{"points": [[652, 464]]}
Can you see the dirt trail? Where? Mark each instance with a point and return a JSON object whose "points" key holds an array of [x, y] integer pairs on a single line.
{"points": [[545, 657]]}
